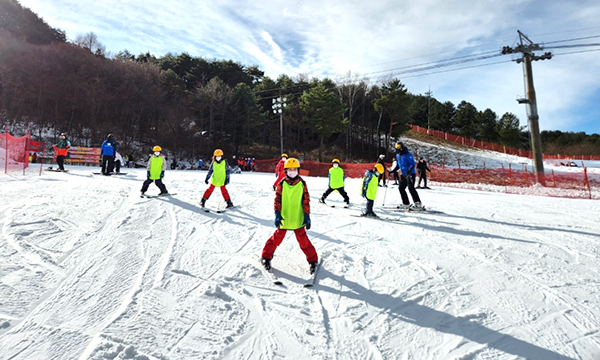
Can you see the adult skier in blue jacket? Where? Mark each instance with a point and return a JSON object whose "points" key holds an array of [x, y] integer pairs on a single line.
{"points": [[107, 153], [406, 163]]}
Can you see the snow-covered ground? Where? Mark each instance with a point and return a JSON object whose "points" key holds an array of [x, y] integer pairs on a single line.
{"points": [[89, 270]]}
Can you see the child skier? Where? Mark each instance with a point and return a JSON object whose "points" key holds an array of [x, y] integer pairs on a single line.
{"points": [[369, 188], [279, 170], [219, 170], [336, 182], [156, 171], [292, 209]]}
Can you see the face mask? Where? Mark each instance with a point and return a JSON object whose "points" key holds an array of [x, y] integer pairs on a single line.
{"points": [[335, 165], [157, 153], [218, 158], [292, 173]]}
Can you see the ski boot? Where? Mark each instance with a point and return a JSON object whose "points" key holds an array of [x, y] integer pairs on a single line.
{"points": [[313, 267], [403, 207], [347, 204], [202, 202], [165, 193], [322, 200], [266, 263], [229, 204], [417, 207], [369, 214]]}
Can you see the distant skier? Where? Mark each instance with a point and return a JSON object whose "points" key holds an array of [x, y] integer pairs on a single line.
{"points": [[336, 182], [292, 212], [62, 149], [382, 176], [279, 170], [107, 153], [156, 171], [219, 170], [406, 163], [200, 163], [369, 188], [422, 168], [118, 162]]}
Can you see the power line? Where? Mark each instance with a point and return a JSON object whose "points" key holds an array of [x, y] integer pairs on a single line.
{"points": [[455, 59]]}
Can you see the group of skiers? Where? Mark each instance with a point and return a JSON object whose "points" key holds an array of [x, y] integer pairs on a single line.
{"points": [[292, 200]]}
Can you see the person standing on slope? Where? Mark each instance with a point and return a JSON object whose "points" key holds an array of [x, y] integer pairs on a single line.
{"points": [[369, 188], [61, 149], [336, 182], [219, 170], [107, 153], [292, 212], [422, 168], [279, 170], [406, 163], [156, 171], [382, 176]]}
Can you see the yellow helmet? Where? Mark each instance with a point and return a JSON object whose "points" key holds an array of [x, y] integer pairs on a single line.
{"points": [[284, 155], [218, 152], [379, 168], [291, 163], [335, 161], [157, 148]]}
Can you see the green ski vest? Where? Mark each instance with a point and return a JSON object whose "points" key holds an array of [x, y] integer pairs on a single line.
{"points": [[156, 165], [336, 178], [219, 174], [372, 187], [291, 206]]}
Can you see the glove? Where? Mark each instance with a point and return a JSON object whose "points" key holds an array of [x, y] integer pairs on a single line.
{"points": [[278, 219], [162, 174], [206, 181], [148, 175], [307, 221]]}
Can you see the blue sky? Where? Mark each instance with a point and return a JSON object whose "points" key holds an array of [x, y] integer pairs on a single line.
{"points": [[370, 39]]}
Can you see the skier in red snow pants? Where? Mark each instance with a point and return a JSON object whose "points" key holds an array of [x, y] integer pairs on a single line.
{"points": [[292, 212]]}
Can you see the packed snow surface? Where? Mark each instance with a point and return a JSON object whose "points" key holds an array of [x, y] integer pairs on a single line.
{"points": [[89, 270]]}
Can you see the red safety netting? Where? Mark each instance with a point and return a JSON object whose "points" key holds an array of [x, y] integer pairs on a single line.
{"points": [[314, 168], [13, 152], [511, 179], [495, 147]]}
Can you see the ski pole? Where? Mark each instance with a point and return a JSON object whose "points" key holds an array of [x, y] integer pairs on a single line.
{"points": [[384, 195]]}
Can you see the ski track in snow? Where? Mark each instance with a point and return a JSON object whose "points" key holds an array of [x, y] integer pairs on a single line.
{"points": [[89, 270]]}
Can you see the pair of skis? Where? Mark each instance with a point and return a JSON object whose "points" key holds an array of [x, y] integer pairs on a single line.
{"points": [[156, 196], [219, 211], [309, 282]]}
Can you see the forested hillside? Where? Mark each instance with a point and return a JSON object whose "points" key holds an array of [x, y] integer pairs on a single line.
{"points": [[190, 104]]}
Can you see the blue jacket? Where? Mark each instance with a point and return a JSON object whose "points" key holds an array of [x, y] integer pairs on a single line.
{"points": [[109, 148], [405, 161]]}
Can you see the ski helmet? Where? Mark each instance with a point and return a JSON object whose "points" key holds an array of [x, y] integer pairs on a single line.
{"points": [[399, 145], [157, 148], [335, 161], [218, 152], [381, 156], [379, 168], [284, 155], [291, 163]]}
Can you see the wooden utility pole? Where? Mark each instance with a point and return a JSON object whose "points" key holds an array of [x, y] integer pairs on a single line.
{"points": [[530, 100]]}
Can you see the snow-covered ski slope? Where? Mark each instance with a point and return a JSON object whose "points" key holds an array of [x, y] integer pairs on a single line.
{"points": [[89, 270]]}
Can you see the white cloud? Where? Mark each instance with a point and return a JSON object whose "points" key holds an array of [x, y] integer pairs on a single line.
{"points": [[326, 38]]}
